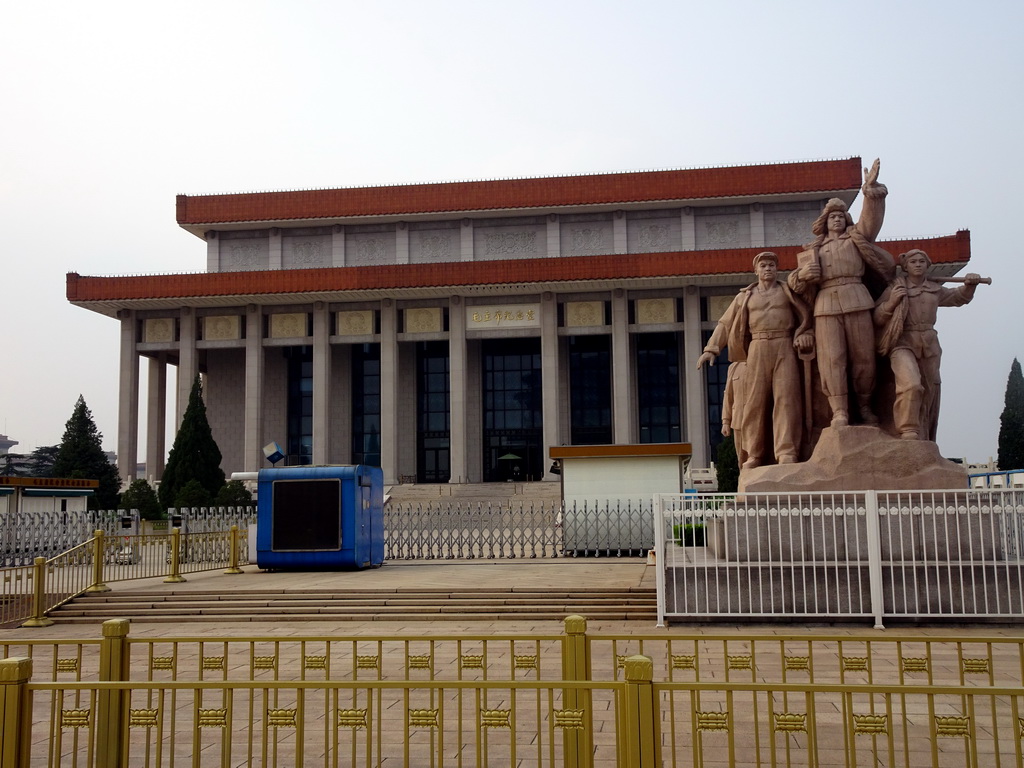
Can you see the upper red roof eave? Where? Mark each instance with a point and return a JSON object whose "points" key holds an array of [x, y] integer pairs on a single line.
{"points": [[949, 249], [516, 194]]}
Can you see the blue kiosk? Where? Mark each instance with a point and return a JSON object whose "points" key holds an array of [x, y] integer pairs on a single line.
{"points": [[320, 517]]}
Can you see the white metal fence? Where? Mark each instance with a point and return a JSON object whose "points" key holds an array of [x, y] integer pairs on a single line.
{"points": [[869, 554]]}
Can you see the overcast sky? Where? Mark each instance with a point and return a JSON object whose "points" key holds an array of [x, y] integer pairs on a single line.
{"points": [[110, 109]]}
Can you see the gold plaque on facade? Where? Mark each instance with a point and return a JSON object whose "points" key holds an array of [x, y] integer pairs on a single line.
{"points": [[423, 320], [581, 314], [222, 328], [655, 311], [717, 306], [355, 323], [158, 330], [288, 325]]}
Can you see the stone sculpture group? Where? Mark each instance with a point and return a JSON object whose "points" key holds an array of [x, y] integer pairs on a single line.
{"points": [[843, 307]]}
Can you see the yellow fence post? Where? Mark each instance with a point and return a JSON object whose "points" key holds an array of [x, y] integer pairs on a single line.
{"points": [[99, 555], [112, 705], [39, 618], [233, 563], [576, 667], [175, 576], [640, 737], [15, 712]]}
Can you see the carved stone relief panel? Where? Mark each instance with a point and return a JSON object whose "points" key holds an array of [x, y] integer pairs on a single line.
{"points": [[579, 314], [305, 252], [587, 238], [158, 330], [355, 322], [288, 325], [244, 255], [431, 246], [655, 311], [722, 231], [222, 328], [511, 242], [366, 249], [423, 320], [654, 235], [789, 225]]}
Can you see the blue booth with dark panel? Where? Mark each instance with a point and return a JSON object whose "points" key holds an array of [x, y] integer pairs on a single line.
{"points": [[320, 517]]}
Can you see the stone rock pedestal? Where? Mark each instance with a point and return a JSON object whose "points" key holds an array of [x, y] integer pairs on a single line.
{"points": [[860, 458]]}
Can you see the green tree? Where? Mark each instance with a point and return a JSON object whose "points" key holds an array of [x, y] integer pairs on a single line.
{"points": [[233, 494], [194, 455], [1011, 423], [9, 464], [192, 494], [80, 455], [727, 466], [41, 460], [141, 496]]}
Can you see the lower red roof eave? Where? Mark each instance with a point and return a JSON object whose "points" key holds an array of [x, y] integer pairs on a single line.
{"points": [[950, 249]]}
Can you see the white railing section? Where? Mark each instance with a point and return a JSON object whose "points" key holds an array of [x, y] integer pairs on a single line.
{"points": [[856, 555]]}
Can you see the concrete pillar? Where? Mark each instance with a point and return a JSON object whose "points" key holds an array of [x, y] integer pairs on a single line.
{"points": [[688, 230], [466, 240], [756, 226], [253, 447], [188, 364], [457, 373], [128, 398], [212, 252], [156, 418], [554, 236], [549, 376], [321, 383], [619, 239], [389, 390], [696, 382], [622, 381], [402, 243], [276, 249], [338, 246]]}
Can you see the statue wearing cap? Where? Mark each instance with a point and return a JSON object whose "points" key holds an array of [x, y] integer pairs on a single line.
{"points": [[763, 326]]}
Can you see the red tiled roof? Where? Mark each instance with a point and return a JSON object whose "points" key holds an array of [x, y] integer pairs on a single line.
{"points": [[598, 189], [942, 250]]}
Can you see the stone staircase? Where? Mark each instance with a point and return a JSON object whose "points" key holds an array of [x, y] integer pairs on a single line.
{"points": [[406, 604]]}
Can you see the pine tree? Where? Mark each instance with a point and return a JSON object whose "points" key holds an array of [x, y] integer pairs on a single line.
{"points": [[141, 496], [727, 466], [1011, 423], [80, 454], [194, 455]]}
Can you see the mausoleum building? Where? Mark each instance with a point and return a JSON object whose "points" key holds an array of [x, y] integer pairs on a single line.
{"points": [[454, 332]]}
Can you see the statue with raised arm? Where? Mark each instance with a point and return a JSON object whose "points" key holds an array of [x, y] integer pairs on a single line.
{"points": [[763, 326], [830, 274], [905, 315]]}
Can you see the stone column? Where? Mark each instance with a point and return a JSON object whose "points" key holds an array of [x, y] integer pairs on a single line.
{"points": [[457, 374], [402, 243], [338, 246], [554, 236], [212, 252], [188, 365], [756, 226], [619, 238], [128, 398], [156, 417], [622, 389], [688, 230], [549, 376], [389, 390], [466, 240], [696, 388], [252, 450], [276, 256], [321, 383]]}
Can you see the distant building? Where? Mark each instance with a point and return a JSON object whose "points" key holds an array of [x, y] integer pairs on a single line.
{"points": [[436, 330], [6, 444]]}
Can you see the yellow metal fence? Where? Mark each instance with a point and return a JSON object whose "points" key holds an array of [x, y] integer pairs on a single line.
{"points": [[28, 593], [570, 699]]}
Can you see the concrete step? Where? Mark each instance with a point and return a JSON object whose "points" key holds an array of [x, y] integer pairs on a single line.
{"points": [[362, 605]]}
